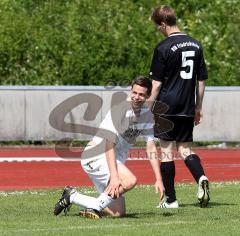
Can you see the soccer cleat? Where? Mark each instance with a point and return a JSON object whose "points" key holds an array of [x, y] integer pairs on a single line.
{"points": [[165, 204], [90, 213], [203, 191], [64, 202]]}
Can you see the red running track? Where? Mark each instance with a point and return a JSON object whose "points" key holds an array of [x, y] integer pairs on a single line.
{"points": [[23, 173]]}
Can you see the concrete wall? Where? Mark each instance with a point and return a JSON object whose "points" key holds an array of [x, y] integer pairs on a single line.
{"points": [[221, 121], [25, 112]]}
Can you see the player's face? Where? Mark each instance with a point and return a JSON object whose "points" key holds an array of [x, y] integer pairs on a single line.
{"points": [[138, 95]]}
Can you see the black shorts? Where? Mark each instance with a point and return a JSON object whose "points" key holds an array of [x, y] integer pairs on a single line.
{"points": [[174, 128]]}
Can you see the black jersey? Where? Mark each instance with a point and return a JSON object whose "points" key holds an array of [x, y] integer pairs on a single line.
{"points": [[178, 62]]}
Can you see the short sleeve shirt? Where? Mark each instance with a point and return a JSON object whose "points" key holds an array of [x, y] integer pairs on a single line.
{"points": [[124, 127], [178, 62]]}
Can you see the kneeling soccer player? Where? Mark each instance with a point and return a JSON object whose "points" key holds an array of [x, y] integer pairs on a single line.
{"points": [[104, 157]]}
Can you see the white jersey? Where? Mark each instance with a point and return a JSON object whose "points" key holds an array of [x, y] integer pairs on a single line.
{"points": [[122, 127]]}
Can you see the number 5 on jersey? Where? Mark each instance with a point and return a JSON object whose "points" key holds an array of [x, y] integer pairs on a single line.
{"points": [[187, 62]]}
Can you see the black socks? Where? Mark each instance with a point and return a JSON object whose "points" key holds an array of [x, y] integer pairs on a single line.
{"points": [[193, 163], [168, 175]]}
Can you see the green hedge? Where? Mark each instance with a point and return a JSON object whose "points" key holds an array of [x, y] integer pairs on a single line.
{"points": [[93, 42]]}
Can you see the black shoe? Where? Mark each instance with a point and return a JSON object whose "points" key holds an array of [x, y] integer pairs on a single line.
{"points": [[90, 213], [64, 201]]}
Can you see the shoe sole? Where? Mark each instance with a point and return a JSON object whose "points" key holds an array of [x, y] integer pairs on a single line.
{"points": [[205, 198], [89, 214], [167, 206]]}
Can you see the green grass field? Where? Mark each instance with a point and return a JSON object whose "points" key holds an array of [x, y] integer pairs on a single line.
{"points": [[30, 213]]}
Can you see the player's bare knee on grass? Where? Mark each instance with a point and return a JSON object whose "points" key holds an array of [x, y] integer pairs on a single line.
{"points": [[115, 214], [116, 208], [119, 214]]}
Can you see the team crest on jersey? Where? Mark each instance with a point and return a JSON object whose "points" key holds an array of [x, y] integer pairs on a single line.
{"points": [[130, 135]]}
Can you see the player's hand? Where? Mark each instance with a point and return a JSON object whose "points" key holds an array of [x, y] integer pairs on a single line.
{"points": [[113, 187], [198, 116], [160, 189]]}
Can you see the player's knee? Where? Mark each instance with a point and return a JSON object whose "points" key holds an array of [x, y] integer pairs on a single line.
{"points": [[131, 182], [184, 152], [134, 181], [118, 211], [118, 214]]}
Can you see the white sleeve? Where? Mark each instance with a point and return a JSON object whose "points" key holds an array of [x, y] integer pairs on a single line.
{"points": [[107, 129], [148, 123]]}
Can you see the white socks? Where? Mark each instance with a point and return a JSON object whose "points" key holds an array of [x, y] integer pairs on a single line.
{"points": [[104, 200], [91, 202]]}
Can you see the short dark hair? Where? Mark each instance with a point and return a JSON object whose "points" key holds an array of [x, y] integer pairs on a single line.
{"points": [[164, 14], [143, 81]]}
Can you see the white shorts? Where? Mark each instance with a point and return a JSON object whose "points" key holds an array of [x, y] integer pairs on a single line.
{"points": [[98, 171]]}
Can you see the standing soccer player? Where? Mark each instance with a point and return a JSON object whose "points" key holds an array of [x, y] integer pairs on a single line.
{"points": [[178, 74], [104, 157]]}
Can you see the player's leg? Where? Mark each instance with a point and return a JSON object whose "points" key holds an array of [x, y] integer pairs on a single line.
{"points": [[191, 160], [117, 208], [168, 174], [99, 173], [71, 196], [184, 138], [194, 165], [128, 181], [184, 142], [164, 129], [94, 164]]}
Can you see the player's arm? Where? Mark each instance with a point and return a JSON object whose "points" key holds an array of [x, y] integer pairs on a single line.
{"points": [[114, 182], [200, 88], [156, 86], [154, 161]]}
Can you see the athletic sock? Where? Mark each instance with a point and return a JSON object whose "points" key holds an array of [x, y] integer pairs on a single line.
{"points": [[91, 202], [168, 175], [104, 200], [84, 201], [193, 163]]}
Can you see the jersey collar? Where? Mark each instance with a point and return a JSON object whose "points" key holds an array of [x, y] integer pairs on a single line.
{"points": [[176, 34]]}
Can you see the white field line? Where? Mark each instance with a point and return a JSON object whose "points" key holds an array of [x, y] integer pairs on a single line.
{"points": [[91, 190], [107, 226], [59, 159], [104, 226], [84, 190], [30, 159]]}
